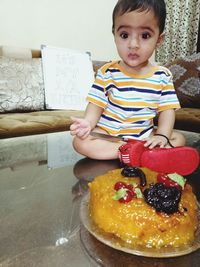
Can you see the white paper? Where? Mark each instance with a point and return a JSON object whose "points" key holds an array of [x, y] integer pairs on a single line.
{"points": [[68, 76]]}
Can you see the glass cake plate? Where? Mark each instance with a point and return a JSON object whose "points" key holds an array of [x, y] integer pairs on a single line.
{"points": [[116, 243]]}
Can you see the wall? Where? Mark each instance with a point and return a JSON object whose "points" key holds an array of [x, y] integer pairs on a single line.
{"points": [[82, 24]]}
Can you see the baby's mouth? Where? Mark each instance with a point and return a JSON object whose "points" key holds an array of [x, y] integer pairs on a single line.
{"points": [[133, 56]]}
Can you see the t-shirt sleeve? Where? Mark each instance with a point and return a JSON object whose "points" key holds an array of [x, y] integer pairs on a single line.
{"points": [[168, 99], [97, 93]]}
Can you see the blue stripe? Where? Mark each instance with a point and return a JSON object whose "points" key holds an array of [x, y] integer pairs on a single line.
{"points": [[109, 118], [108, 126], [132, 79], [140, 90], [111, 86], [133, 89], [122, 79], [169, 101], [169, 93], [162, 72], [125, 117], [113, 70], [138, 122], [133, 98], [115, 112], [98, 87], [152, 80], [97, 97]]}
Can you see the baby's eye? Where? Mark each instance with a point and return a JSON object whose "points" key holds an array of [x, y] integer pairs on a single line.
{"points": [[124, 35], [146, 35]]}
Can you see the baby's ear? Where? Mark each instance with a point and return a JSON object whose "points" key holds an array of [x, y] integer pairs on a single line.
{"points": [[160, 39]]}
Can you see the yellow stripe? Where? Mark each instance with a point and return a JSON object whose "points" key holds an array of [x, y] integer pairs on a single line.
{"points": [[131, 131], [122, 131], [120, 84], [96, 102], [168, 87], [172, 106], [107, 66], [100, 82]]}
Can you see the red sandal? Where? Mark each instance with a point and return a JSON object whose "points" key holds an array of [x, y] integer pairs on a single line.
{"points": [[182, 160], [130, 153]]}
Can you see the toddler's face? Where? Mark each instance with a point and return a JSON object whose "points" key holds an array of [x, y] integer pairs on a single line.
{"points": [[136, 36]]}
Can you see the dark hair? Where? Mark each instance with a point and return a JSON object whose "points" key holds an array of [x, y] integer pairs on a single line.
{"points": [[157, 6]]}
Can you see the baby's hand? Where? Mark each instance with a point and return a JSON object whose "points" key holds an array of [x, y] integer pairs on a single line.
{"points": [[154, 141], [80, 127]]}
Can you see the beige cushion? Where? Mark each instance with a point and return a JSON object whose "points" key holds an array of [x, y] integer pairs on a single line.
{"points": [[37, 122], [21, 85], [15, 52]]}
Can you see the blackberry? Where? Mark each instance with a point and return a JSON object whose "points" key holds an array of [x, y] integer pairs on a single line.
{"points": [[134, 172], [163, 198]]}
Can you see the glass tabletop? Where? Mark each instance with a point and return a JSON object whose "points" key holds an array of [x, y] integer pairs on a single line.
{"points": [[42, 183]]}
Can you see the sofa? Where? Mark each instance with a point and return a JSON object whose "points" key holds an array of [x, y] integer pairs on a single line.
{"points": [[22, 105]]}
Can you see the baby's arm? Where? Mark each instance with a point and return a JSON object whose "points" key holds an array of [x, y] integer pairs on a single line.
{"points": [[82, 127], [166, 121]]}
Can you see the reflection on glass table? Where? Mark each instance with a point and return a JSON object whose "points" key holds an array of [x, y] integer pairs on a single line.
{"points": [[40, 198]]}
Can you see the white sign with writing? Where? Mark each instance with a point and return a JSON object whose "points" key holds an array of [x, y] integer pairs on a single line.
{"points": [[68, 76]]}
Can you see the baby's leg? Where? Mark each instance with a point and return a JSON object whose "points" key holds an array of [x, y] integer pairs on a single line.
{"points": [[97, 148], [177, 139]]}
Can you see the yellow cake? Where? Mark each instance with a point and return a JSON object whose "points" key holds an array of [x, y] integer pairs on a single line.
{"points": [[137, 223]]}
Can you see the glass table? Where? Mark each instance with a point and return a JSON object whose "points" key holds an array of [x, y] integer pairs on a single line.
{"points": [[42, 183]]}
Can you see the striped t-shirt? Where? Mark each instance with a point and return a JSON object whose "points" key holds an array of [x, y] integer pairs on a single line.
{"points": [[130, 102]]}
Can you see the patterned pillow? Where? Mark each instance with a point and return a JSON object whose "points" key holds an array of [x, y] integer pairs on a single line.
{"points": [[21, 85], [186, 76]]}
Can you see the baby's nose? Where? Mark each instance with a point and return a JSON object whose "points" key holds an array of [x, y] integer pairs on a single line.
{"points": [[134, 43]]}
